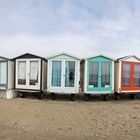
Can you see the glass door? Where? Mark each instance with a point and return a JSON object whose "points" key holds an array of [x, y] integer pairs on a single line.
{"points": [[56, 73], [136, 75], [100, 76], [3, 73], [93, 74], [34, 73], [126, 75], [28, 74], [22, 73], [105, 74], [69, 74]]}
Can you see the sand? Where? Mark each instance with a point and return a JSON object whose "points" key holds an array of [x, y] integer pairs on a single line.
{"points": [[33, 119]]}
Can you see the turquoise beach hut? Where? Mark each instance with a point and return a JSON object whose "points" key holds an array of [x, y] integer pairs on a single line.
{"points": [[97, 76]]}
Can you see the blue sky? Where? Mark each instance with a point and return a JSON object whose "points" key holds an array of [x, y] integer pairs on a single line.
{"points": [[80, 27]]}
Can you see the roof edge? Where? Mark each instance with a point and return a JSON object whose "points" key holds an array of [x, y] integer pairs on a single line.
{"points": [[127, 57], [20, 56], [100, 55], [63, 53]]}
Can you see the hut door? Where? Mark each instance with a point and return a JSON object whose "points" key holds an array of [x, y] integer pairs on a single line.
{"points": [[21, 73], [56, 73], [3, 73], [100, 74], [126, 71], [130, 76], [93, 74], [69, 76], [105, 74], [34, 73], [63, 76], [137, 75], [28, 74]]}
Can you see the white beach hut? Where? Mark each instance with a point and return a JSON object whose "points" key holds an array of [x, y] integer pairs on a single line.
{"points": [[30, 74], [63, 75]]}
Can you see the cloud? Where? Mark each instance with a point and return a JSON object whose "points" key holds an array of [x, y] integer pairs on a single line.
{"points": [[46, 45], [80, 27]]}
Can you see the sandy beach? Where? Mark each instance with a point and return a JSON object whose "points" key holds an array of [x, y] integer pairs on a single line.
{"points": [[33, 119]]}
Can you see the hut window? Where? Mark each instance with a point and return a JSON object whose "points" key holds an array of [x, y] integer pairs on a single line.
{"points": [[105, 74], [126, 75], [22, 73], [137, 75], [93, 74], [3, 73], [69, 73], [34, 67], [56, 73]]}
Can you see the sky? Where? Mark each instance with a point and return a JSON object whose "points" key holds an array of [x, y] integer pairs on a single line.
{"points": [[79, 27]]}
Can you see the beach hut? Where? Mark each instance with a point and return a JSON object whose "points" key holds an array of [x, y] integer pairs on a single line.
{"points": [[6, 78], [63, 75], [97, 76], [127, 76], [30, 74]]}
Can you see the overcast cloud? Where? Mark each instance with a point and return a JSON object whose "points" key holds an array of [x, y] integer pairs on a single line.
{"points": [[80, 27]]}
